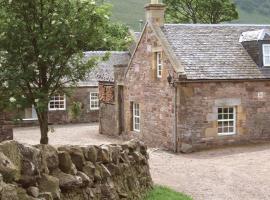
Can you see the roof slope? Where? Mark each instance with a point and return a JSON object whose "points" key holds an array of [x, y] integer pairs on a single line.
{"points": [[214, 51], [104, 70]]}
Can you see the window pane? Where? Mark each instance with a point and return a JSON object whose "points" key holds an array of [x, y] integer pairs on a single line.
{"points": [[57, 102], [226, 120]]}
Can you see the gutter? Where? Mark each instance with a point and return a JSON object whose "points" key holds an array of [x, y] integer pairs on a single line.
{"points": [[181, 80]]}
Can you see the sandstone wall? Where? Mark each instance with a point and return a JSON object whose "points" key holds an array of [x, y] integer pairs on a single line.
{"points": [[42, 172], [197, 114], [82, 95], [154, 95]]}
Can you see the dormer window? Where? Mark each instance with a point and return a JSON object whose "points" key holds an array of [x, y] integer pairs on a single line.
{"points": [[266, 55], [159, 64]]}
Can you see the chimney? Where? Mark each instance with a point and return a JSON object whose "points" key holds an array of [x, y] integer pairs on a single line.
{"points": [[155, 12]]}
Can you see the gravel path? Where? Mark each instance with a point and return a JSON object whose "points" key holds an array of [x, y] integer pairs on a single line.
{"points": [[79, 134], [241, 173], [225, 174]]}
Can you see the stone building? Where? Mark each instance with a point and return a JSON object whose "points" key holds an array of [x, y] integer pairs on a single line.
{"points": [[189, 87], [85, 93]]}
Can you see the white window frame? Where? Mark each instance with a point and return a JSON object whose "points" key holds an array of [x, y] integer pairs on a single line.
{"points": [[53, 100], [266, 55], [94, 103], [159, 64], [136, 117], [224, 118]]}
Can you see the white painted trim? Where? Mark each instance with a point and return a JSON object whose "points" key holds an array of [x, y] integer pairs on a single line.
{"points": [[159, 66], [264, 56], [59, 109], [228, 120], [136, 117], [30, 119], [96, 108]]}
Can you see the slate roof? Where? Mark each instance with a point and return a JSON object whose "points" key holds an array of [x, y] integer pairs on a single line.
{"points": [[214, 51], [104, 70]]}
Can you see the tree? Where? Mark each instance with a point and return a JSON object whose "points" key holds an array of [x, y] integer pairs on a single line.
{"points": [[41, 49], [200, 11]]}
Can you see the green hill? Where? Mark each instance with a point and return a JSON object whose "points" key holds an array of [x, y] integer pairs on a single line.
{"points": [[131, 12]]}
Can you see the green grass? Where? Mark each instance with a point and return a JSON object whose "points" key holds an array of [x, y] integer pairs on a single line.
{"points": [[130, 12], [164, 193]]}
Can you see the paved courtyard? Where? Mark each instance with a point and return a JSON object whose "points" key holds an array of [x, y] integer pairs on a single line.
{"points": [[241, 173]]}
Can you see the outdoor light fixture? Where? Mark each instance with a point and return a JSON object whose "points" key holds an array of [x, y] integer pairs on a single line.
{"points": [[170, 79]]}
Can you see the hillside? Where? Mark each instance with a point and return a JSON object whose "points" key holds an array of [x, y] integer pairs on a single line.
{"points": [[131, 12]]}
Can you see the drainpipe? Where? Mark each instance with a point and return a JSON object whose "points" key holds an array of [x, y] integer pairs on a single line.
{"points": [[175, 119]]}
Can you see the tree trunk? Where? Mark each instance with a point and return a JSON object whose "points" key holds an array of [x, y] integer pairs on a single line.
{"points": [[43, 124]]}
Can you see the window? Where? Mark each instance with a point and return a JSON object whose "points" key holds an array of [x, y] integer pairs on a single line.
{"points": [[94, 101], [58, 102], [30, 114], [136, 117], [266, 55], [159, 64], [226, 121]]}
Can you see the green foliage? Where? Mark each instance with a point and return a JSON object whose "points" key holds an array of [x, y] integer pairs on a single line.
{"points": [[129, 12], [42, 44], [164, 193], [200, 11], [75, 110], [118, 37], [136, 13], [252, 6]]}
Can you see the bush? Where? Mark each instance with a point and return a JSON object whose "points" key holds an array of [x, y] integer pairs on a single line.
{"points": [[164, 193]]}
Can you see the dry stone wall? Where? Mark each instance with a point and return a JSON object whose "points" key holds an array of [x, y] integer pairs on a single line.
{"points": [[6, 131], [42, 172]]}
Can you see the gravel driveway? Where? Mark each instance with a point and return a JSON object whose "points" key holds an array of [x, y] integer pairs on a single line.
{"points": [[241, 173], [75, 134]]}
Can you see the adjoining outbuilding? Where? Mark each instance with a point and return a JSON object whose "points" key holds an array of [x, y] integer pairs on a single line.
{"points": [[193, 86], [85, 95]]}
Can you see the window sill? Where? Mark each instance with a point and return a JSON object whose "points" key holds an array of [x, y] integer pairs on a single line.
{"points": [[30, 119], [226, 134], [57, 109]]}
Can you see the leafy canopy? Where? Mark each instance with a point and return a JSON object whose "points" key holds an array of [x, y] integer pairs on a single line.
{"points": [[200, 11], [42, 44]]}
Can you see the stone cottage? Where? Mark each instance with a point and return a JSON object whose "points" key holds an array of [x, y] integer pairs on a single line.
{"points": [[189, 87], [86, 93]]}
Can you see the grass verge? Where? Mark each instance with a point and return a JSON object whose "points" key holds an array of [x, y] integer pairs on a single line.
{"points": [[164, 193]]}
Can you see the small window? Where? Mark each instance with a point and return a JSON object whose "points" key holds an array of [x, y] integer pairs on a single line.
{"points": [[159, 64], [94, 101], [136, 117], [58, 102], [226, 121], [266, 55], [30, 114]]}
